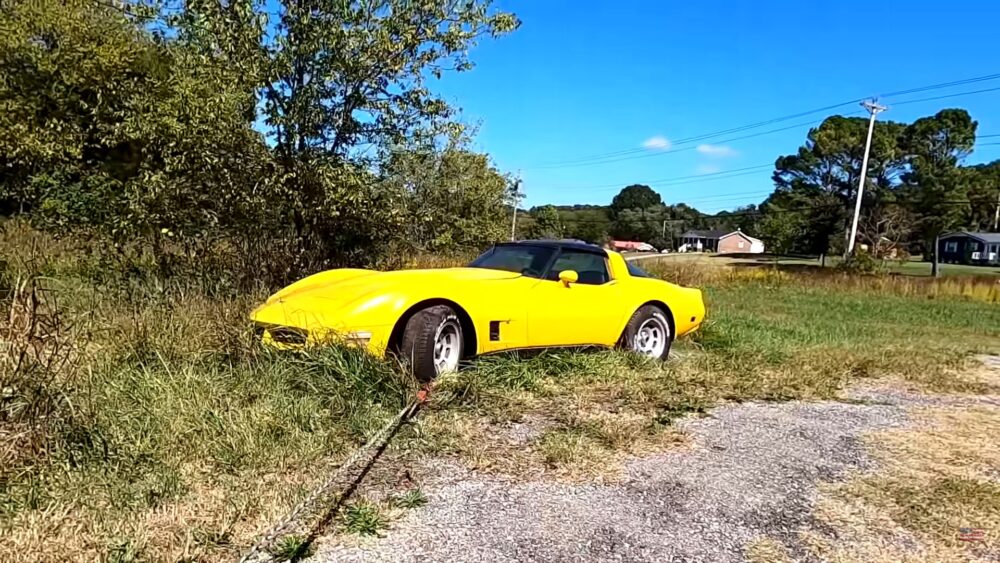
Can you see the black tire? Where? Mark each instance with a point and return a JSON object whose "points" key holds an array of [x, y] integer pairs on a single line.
{"points": [[416, 349], [647, 314]]}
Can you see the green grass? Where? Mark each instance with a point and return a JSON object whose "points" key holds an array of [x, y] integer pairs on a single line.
{"points": [[918, 268]]}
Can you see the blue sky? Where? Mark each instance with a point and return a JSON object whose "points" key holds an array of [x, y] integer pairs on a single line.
{"points": [[588, 78]]}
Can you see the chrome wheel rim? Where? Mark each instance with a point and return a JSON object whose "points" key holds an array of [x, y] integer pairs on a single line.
{"points": [[651, 338], [447, 347]]}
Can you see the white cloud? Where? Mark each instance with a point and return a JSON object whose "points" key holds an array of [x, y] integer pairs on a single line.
{"points": [[720, 151], [657, 143], [707, 169]]}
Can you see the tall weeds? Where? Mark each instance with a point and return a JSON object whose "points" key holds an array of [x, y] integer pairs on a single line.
{"points": [[985, 289]]}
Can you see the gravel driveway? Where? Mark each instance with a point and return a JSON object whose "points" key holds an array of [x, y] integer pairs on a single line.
{"points": [[751, 471]]}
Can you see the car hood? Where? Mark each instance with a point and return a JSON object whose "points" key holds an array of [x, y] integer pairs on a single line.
{"points": [[326, 299]]}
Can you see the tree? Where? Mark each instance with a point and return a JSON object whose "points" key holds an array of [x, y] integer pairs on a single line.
{"points": [[141, 124], [547, 223], [779, 229], [113, 131], [585, 222], [636, 196], [640, 224], [820, 181], [885, 229], [983, 181], [452, 197], [936, 187], [350, 75]]}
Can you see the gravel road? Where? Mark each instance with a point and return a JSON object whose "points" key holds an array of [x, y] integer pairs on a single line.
{"points": [[752, 471]]}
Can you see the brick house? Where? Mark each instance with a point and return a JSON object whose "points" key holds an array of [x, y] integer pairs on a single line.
{"points": [[701, 241], [738, 242]]}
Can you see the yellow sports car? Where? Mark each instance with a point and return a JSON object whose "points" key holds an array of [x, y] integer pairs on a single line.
{"points": [[529, 294]]}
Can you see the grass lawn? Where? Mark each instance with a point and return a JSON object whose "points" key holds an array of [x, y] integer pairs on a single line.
{"points": [[918, 268], [170, 434]]}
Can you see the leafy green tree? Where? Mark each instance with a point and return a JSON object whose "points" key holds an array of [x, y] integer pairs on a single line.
{"points": [[128, 121], [547, 223], [779, 229], [453, 197], [636, 196], [640, 224], [819, 182], [349, 75], [585, 222], [936, 187], [111, 130], [983, 181]]}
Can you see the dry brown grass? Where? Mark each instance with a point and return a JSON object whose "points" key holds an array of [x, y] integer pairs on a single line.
{"points": [[706, 271], [933, 478], [766, 550]]}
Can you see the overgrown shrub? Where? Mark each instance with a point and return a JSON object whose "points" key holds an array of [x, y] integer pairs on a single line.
{"points": [[863, 263]]}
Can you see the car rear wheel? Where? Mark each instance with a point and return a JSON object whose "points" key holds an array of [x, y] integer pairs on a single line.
{"points": [[432, 342], [648, 333]]}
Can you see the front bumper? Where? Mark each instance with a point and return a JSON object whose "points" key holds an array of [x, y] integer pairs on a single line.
{"points": [[374, 339]]}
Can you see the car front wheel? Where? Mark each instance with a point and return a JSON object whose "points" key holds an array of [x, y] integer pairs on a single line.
{"points": [[648, 333], [432, 342]]}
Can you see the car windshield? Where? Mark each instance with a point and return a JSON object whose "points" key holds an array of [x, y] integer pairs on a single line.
{"points": [[520, 258]]}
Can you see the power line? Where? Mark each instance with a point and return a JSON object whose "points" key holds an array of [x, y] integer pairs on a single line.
{"points": [[691, 148], [707, 176], [904, 102], [942, 85], [757, 211], [705, 136]]}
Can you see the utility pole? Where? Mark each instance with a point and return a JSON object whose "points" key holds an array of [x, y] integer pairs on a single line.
{"points": [[517, 198], [996, 216], [874, 108]]}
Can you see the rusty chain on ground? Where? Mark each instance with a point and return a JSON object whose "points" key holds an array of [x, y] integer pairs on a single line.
{"points": [[259, 554]]}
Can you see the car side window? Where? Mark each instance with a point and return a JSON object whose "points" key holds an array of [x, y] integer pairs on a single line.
{"points": [[591, 269]]}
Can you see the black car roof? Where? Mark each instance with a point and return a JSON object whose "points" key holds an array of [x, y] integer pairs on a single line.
{"points": [[559, 243]]}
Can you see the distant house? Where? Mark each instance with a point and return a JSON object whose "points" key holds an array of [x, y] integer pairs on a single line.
{"points": [[701, 241], [738, 242], [981, 249], [721, 241]]}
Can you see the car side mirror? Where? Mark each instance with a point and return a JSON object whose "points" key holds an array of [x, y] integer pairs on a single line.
{"points": [[568, 277]]}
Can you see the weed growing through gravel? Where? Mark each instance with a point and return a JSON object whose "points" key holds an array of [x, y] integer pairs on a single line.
{"points": [[363, 518], [413, 498], [292, 548]]}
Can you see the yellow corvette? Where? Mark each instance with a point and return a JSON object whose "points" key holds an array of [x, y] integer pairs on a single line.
{"points": [[529, 294]]}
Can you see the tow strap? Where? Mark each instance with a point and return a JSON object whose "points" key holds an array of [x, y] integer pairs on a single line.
{"points": [[258, 553]]}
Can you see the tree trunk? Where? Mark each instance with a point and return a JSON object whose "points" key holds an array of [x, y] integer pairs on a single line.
{"points": [[934, 258]]}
